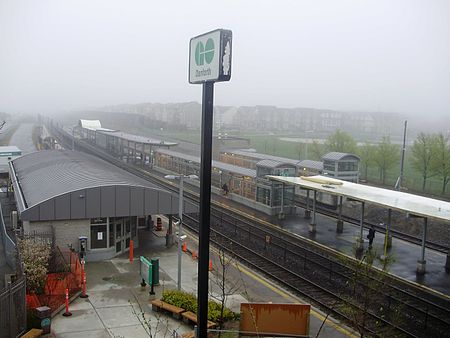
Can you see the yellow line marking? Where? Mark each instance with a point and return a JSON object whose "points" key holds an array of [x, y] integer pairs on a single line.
{"points": [[283, 294], [334, 251]]}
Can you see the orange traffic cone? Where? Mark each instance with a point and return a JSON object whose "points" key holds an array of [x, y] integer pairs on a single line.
{"points": [[210, 265], [184, 247]]}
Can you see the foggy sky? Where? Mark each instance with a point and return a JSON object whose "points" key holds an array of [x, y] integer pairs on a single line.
{"points": [[379, 55]]}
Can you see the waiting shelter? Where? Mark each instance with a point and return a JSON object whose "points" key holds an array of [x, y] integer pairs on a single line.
{"points": [[414, 205], [73, 195]]}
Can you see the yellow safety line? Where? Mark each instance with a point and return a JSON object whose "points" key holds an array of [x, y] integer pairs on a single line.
{"points": [[336, 252], [331, 250], [285, 295]]}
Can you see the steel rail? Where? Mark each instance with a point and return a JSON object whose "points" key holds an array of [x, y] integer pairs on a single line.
{"points": [[148, 176]]}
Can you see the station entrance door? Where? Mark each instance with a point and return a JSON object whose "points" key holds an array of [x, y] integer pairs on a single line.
{"points": [[122, 233]]}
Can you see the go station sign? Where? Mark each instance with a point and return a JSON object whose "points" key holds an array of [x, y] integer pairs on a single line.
{"points": [[210, 57]]}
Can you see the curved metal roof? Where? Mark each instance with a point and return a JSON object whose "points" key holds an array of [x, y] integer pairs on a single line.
{"points": [[215, 164], [336, 156], [310, 164], [68, 176], [274, 164]]}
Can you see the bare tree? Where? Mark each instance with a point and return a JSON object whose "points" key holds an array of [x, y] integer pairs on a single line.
{"points": [[226, 285], [423, 153], [363, 295]]}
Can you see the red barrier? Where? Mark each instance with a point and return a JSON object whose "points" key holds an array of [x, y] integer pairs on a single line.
{"points": [[67, 313], [83, 278], [131, 250], [53, 294]]}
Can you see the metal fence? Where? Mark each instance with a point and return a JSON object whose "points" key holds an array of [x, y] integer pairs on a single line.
{"points": [[8, 244], [13, 312], [40, 237], [13, 319]]}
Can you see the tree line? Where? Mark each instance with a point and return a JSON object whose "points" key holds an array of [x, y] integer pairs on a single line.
{"points": [[429, 155]]}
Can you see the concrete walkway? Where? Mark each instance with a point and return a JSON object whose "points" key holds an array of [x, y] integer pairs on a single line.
{"points": [[117, 304]]}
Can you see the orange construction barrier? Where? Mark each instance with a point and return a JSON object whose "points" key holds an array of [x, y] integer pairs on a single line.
{"points": [[210, 265], [158, 224], [83, 281], [184, 247], [67, 313], [131, 250]]}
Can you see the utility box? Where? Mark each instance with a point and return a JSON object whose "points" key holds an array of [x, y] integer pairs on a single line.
{"points": [[155, 268], [82, 246], [44, 313]]}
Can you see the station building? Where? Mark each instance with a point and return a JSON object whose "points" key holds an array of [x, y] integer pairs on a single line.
{"points": [[343, 166], [73, 194], [131, 148], [7, 154]]}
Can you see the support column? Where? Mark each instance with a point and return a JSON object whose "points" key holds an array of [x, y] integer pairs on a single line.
{"points": [[169, 234], [360, 240], [281, 214], [307, 211], [388, 236], [128, 151], [340, 223], [312, 225], [447, 262], [422, 262]]}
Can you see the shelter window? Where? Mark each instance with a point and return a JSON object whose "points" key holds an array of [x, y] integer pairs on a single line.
{"points": [[329, 165], [348, 166]]}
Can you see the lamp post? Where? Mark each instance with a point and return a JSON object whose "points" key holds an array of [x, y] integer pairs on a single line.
{"points": [[180, 216]]}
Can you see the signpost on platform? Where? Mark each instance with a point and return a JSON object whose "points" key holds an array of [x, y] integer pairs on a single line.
{"points": [[146, 272], [209, 62]]}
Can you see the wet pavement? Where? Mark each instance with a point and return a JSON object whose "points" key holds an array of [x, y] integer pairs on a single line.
{"points": [[22, 138], [117, 303], [404, 254]]}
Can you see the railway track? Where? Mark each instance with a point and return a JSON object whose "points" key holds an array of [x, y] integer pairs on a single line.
{"points": [[396, 233], [322, 275]]}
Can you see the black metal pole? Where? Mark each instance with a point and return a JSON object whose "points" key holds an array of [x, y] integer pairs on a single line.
{"points": [[400, 179], [205, 203]]}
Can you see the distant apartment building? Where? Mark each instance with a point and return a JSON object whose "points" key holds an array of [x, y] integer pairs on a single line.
{"points": [[271, 118], [268, 118]]}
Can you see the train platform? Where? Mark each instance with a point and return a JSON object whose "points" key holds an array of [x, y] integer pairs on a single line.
{"points": [[117, 302], [404, 254]]}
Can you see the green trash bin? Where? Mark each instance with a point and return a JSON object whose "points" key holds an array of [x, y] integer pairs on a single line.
{"points": [[155, 270]]}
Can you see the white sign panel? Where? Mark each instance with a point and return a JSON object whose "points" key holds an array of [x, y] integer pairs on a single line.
{"points": [[210, 57]]}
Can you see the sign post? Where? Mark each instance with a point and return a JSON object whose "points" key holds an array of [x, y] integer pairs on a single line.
{"points": [[209, 62]]}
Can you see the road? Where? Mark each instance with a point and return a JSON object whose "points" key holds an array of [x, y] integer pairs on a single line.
{"points": [[22, 138]]}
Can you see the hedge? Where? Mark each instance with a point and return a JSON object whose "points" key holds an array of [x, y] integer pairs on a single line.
{"points": [[188, 302]]}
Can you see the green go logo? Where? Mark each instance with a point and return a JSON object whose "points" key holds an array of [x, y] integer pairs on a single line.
{"points": [[204, 52]]}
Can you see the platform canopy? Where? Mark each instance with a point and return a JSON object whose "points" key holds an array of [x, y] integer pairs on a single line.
{"points": [[396, 200], [137, 138]]}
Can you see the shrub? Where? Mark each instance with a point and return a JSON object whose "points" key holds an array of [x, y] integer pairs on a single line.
{"points": [[35, 258], [188, 302]]}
